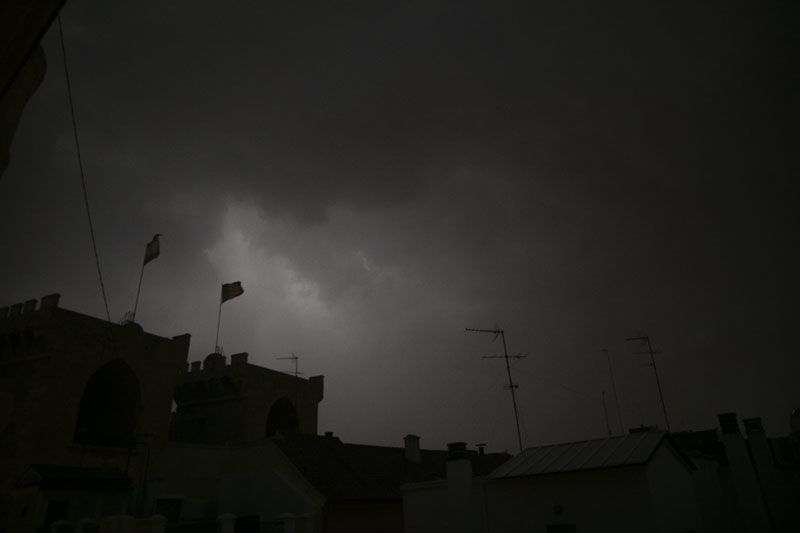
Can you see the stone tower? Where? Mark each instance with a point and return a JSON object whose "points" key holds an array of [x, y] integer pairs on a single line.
{"points": [[78, 391], [217, 402]]}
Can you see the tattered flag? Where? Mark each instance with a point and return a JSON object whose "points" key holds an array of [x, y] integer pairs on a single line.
{"points": [[231, 290], [153, 249]]}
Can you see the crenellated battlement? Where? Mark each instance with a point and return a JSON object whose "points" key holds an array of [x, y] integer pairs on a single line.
{"points": [[19, 334], [221, 399], [28, 307], [40, 327], [217, 362]]}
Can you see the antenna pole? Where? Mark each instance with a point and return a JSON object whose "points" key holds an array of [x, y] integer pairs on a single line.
{"points": [[138, 290], [219, 317], [511, 384], [605, 412], [658, 381], [614, 389], [652, 354], [294, 359]]}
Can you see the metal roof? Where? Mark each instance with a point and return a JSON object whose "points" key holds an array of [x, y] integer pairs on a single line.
{"points": [[623, 450]]}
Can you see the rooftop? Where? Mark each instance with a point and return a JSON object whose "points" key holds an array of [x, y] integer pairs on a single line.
{"points": [[625, 450], [357, 472]]}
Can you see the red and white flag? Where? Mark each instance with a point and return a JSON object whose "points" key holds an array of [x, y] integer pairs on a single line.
{"points": [[231, 290], [153, 249]]}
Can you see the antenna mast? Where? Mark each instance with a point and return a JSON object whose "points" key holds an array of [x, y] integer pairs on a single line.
{"points": [[605, 412], [294, 358], [614, 388], [511, 385], [652, 354]]}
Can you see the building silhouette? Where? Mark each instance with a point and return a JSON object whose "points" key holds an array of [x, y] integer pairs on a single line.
{"points": [[217, 402], [76, 391], [100, 419], [104, 426]]}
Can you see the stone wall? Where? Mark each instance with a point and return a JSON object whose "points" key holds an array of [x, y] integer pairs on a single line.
{"points": [[220, 401], [48, 355]]}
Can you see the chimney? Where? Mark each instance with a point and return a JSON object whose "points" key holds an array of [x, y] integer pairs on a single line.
{"points": [[728, 423], [745, 480], [459, 487], [456, 450], [757, 442], [411, 448], [481, 448]]}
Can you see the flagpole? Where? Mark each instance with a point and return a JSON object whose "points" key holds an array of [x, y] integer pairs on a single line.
{"points": [[151, 251], [138, 290], [219, 317]]}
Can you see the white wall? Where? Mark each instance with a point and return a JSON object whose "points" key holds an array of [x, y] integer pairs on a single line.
{"points": [[715, 497], [748, 497], [611, 499], [427, 508], [672, 493], [240, 480]]}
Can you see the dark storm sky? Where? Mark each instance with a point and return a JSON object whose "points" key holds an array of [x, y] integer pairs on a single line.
{"points": [[381, 175]]}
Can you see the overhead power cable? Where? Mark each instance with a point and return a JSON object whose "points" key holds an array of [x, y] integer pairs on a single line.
{"points": [[80, 167]]}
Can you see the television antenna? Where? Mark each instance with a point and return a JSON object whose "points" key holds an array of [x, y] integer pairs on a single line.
{"points": [[652, 353], [497, 332], [614, 389], [293, 358], [605, 413]]}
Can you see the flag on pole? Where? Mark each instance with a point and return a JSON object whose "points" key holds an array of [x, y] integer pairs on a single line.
{"points": [[153, 249], [231, 290]]}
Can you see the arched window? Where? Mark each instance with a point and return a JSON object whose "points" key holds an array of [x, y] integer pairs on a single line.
{"points": [[282, 417], [109, 407]]}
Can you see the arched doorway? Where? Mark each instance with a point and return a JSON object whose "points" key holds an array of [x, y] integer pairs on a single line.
{"points": [[109, 407], [282, 417]]}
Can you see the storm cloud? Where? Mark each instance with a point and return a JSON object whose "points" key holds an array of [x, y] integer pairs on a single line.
{"points": [[381, 175]]}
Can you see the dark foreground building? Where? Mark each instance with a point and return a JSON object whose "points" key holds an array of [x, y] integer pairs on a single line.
{"points": [[78, 393], [101, 420], [86, 409]]}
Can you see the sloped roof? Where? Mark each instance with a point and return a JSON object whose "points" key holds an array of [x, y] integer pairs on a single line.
{"points": [[51, 477], [624, 450], [358, 472]]}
